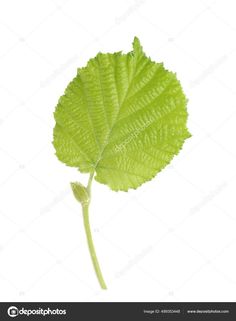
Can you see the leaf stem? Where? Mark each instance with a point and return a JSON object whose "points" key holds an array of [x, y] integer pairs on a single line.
{"points": [[90, 183], [85, 208]]}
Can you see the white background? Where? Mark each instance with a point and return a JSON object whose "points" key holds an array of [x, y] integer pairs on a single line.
{"points": [[173, 239]]}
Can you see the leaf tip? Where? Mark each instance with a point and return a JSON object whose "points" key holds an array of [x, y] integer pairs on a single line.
{"points": [[137, 48]]}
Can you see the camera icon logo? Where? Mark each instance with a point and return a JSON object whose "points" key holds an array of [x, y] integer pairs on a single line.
{"points": [[13, 312]]}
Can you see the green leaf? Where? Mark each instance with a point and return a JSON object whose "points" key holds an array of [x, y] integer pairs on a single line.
{"points": [[123, 117]]}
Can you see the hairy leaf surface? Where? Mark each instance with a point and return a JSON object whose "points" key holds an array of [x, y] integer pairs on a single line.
{"points": [[122, 117]]}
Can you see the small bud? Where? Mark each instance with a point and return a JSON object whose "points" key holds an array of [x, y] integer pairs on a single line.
{"points": [[80, 192]]}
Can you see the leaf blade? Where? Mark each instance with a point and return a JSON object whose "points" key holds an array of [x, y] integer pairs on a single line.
{"points": [[125, 118]]}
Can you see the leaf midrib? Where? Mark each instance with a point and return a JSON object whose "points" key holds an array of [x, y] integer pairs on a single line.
{"points": [[117, 116]]}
